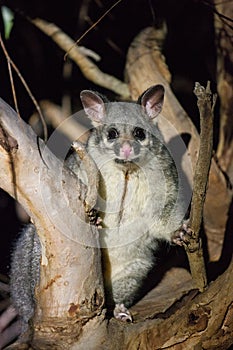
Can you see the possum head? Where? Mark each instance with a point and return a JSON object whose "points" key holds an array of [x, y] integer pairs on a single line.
{"points": [[125, 132]]}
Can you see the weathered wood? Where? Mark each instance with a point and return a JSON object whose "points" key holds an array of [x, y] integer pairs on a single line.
{"points": [[70, 291], [204, 322], [194, 247]]}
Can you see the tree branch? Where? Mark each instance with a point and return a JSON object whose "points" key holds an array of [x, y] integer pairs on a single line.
{"points": [[193, 244], [206, 107], [55, 116], [87, 67]]}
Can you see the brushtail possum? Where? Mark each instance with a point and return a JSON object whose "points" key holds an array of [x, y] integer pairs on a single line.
{"points": [[138, 198]]}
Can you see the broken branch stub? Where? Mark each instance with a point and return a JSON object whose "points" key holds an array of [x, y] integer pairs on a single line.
{"points": [[205, 103]]}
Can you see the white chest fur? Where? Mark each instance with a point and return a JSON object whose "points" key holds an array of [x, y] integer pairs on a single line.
{"points": [[131, 202]]}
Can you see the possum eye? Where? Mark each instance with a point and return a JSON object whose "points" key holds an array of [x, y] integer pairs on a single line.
{"points": [[139, 134], [112, 134]]}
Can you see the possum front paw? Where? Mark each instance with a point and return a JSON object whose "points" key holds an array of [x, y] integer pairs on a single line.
{"points": [[182, 235], [122, 313]]}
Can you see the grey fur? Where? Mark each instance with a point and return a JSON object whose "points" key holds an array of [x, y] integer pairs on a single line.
{"points": [[25, 273], [133, 222]]}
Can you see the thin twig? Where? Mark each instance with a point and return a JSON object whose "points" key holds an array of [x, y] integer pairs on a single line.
{"points": [[222, 17], [213, 7], [194, 247], [13, 65], [87, 67], [10, 75], [91, 27]]}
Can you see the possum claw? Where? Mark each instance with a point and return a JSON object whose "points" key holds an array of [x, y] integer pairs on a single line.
{"points": [[182, 235], [122, 313]]}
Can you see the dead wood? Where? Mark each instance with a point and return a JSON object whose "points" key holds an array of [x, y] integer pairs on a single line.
{"points": [[204, 322], [193, 244], [55, 116]]}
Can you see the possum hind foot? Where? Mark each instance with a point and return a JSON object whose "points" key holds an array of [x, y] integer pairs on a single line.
{"points": [[122, 313]]}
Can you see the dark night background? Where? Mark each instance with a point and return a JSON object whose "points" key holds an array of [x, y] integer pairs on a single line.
{"points": [[189, 50]]}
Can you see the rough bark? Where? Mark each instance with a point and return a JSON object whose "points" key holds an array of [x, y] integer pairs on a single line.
{"points": [[204, 322], [194, 246]]}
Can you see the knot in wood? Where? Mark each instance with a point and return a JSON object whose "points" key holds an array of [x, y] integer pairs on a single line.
{"points": [[6, 141], [199, 318]]}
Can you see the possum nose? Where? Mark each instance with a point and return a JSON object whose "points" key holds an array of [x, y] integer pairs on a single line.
{"points": [[126, 150]]}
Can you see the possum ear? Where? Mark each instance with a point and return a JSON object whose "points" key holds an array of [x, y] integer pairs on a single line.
{"points": [[93, 105], [152, 100]]}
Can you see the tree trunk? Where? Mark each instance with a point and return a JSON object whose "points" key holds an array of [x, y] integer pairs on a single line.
{"points": [[70, 291]]}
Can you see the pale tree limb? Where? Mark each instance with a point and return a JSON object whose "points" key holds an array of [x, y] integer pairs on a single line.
{"points": [[87, 67], [55, 116], [6, 317], [89, 53], [9, 327], [4, 287], [8, 330], [70, 289]]}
